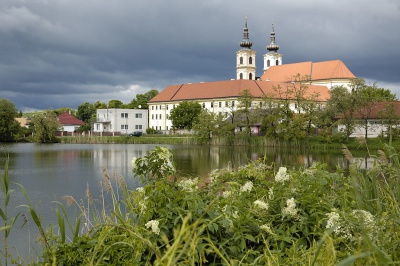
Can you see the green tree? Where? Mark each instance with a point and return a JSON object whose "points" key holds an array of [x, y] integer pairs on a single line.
{"points": [[115, 104], [141, 101], [184, 114], [86, 112], [45, 126], [244, 111], [9, 127], [209, 125], [100, 105]]}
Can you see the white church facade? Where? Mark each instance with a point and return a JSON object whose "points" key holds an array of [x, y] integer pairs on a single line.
{"points": [[222, 96]]}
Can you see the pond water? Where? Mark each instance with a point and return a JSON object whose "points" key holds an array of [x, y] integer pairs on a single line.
{"points": [[50, 171]]}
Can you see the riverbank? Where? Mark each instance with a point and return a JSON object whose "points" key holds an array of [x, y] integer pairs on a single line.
{"points": [[313, 143]]}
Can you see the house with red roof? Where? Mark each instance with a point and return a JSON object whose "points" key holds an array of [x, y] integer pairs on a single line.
{"points": [[276, 82], [68, 122]]}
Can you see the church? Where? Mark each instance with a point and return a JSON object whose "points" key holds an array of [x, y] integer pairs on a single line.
{"points": [[222, 96]]}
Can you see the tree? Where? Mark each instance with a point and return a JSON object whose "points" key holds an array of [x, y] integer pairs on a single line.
{"points": [[115, 104], [86, 112], [184, 114], [99, 105], [9, 127], [45, 126], [142, 100], [209, 125], [244, 117]]}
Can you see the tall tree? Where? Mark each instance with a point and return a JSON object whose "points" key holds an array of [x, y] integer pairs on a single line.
{"points": [[244, 115], [45, 126], [184, 114], [115, 104], [100, 105], [9, 127], [86, 112], [209, 125]]}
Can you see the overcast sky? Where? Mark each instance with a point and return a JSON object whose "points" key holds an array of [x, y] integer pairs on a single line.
{"points": [[62, 53]]}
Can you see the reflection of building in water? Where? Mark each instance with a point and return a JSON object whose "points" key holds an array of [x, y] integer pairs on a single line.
{"points": [[118, 158]]}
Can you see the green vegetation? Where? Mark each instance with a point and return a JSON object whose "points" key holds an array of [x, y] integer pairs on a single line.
{"points": [[254, 215], [9, 127], [185, 114]]}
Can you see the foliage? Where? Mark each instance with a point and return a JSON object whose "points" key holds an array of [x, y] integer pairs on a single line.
{"points": [[141, 100], [185, 114], [45, 125], [116, 104], [210, 125], [254, 215], [86, 112], [9, 127]]}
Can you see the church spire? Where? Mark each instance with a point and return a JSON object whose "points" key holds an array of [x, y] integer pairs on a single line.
{"points": [[272, 57], [272, 46], [246, 43], [246, 57]]}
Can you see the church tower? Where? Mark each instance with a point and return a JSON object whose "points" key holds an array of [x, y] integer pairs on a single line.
{"points": [[246, 58], [272, 57]]}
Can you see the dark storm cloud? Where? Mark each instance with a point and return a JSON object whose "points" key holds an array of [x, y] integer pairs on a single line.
{"points": [[56, 53]]}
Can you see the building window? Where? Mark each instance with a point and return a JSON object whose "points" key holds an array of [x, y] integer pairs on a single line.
{"points": [[138, 115], [124, 115], [233, 103], [138, 126], [156, 116], [277, 62], [160, 116], [173, 106], [204, 105], [152, 117], [260, 104], [212, 104], [167, 127], [220, 104], [241, 76], [226, 104], [268, 63], [167, 116], [250, 76], [167, 106], [152, 108], [250, 60], [124, 126], [241, 60], [97, 126]]}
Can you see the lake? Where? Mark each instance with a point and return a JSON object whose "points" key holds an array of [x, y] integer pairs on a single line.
{"points": [[50, 171]]}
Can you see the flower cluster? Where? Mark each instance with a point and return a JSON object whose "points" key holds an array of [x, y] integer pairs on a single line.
{"points": [[282, 175], [261, 204], [290, 209], [189, 184], [267, 229], [247, 187], [154, 226], [134, 162]]}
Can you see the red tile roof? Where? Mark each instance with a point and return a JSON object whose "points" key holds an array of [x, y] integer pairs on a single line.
{"points": [[334, 69], [229, 88], [67, 119]]}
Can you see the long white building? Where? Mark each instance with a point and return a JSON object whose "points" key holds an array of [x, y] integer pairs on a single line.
{"points": [[120, 121]]}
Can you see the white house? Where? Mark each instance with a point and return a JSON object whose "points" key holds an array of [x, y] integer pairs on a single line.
{"points": [[115, 121], [68, 122]]}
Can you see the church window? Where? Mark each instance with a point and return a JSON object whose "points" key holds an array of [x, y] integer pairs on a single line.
{"points": [[250, 60], [212, 104], [241, 60], [160, 116], [277, 62], [220, 104], [250, 76], [204, 105], [268, 63], [167, 106], [241, 75], [226, 104]]}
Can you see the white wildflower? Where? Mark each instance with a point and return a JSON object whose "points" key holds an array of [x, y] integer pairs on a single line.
{"points": [[140, 189], [189, 184], [271, 193], [235, 214], [154, 226], [247, 187], [226, 194], [165, 154], [282, 175], [290, 209], [267, 228], [261, 204]]}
